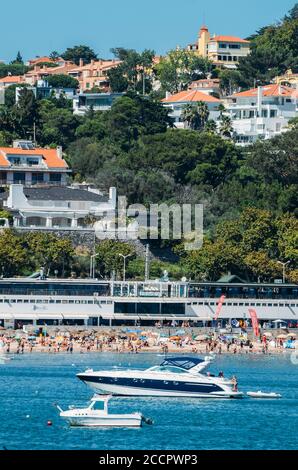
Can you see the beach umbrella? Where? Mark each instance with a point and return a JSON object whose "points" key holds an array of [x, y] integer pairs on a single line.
{"points": [[268, 334], [291, 335], [201, 337], [279, 321], [282, 337], [180, 332], [175, 338]]}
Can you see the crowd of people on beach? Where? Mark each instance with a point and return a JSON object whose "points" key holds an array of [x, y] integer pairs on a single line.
{"points": [[123, 340]]}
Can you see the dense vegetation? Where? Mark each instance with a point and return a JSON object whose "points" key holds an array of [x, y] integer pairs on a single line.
{"points": [[249, 196]]}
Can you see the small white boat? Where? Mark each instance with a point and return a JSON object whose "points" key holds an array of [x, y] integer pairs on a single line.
{"points": [[97, 415], [260, 394]]}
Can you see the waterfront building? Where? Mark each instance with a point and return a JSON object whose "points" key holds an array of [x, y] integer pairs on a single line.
{"points": [[60, 208], [83, 102], [97, 302], [223, 51], [262, 113], [25, 164], [177, 102]]}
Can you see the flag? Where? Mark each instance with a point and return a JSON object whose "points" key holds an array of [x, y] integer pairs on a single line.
{"points": [[255, 321], [219, 306]]}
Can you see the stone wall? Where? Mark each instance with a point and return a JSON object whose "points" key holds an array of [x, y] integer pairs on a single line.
{"points": [[87, 238]]}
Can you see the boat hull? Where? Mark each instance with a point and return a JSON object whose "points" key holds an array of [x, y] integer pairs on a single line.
{"points": [[129, 421], [160, 389]]}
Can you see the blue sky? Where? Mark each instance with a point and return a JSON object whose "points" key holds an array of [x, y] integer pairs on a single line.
{"points": [[37, 28]]}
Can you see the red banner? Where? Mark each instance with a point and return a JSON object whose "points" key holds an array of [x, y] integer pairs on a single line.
{"points": [[219, 306], [255, 321]]}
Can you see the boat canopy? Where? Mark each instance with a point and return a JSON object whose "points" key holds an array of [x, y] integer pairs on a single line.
{"points": [[186, 363]]}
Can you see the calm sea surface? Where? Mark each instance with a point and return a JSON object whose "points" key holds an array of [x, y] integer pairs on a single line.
{"points": [[30, 384]]}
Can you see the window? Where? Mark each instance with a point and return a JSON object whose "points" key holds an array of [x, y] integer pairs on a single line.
{"points": [[234, 46], [55, 177], [222, 45], [19, 178], [219, 57], [37, 178]]}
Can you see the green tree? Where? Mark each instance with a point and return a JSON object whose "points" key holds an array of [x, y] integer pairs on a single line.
{"points": [[54, 55], [75, 53], [134, 72], [18, 59], [117, 80], [179, 68], [12, 69], [58, 126], [231, 81], [109, 259], [13, 256], [274, 49], [226, 127], [49, 251], [196, 115], [25, 112], [62, 81]]}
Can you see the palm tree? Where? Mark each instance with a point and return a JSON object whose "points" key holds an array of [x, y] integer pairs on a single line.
{"points": [[203, 112], [190, 115], [196, 115], [211, 126], [226, 127]]}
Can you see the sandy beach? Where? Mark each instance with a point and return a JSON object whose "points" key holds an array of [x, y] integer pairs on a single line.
{"points": [[137, 341]]}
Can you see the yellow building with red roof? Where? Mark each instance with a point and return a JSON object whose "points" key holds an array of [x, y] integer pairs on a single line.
{"points": [[223, 51]]}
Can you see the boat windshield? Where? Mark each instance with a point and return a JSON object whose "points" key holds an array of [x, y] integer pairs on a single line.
{"points": [[98, 405], [172, 369]]}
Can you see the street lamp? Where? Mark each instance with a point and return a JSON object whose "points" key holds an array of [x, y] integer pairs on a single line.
{"points": [[92, 265], [283, 270], [124, 263]]}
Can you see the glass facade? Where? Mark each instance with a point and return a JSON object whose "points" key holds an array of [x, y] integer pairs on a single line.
{"points": [[148, 290]]}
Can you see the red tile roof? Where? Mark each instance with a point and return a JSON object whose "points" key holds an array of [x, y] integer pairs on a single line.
{"points": [[50, 156], [12, 79], [191, 96], [229, 39], [268, 90], [44, 59]]}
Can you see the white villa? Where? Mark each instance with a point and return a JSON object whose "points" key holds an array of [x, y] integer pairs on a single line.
{"points": [[23, 163], [60, 208], [262, 113], [178, 101]]}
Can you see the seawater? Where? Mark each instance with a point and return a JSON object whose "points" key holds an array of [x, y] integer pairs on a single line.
{"points": [[30, 384]]}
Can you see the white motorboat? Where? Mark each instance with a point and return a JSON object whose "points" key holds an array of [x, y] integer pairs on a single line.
{"points": [[175, 377], [97, 415], [260, 394]]}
